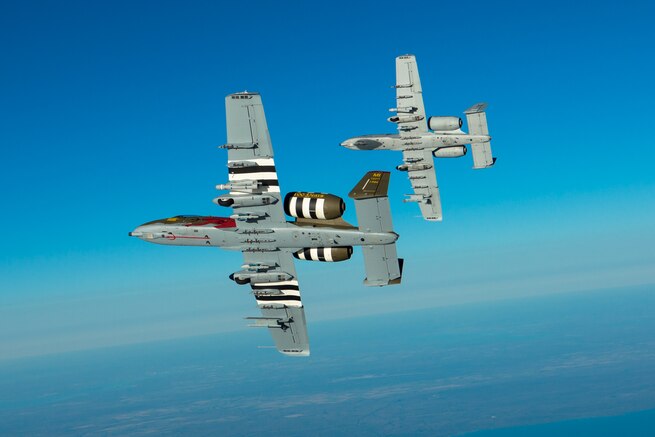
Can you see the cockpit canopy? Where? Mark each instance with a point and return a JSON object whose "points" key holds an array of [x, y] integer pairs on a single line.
{"points": [[195, 220]]}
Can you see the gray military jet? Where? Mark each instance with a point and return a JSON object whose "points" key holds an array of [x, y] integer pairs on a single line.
{"points": [[420, 139], [259, 229]]}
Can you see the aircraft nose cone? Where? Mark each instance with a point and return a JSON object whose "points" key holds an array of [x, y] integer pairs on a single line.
{"points": [[139, 232], [348, 144], [135, 233], [362, 143]]}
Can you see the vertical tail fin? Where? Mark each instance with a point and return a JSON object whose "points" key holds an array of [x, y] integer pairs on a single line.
{"points": [[374, 215], [476, 119], [372, 203]]}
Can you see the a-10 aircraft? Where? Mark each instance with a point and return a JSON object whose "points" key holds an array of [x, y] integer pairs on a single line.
{"points": [[420, 139], [258, 227]]}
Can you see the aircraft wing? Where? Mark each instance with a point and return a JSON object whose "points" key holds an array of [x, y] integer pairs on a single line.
{"points": [[250, 156], [252, 173], [423, 178], [282, 310], [409, 97]]}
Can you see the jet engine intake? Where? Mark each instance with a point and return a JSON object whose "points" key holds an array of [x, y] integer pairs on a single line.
{"points": [[450, 152], [325, 254], [441, 124], [314, 205]]}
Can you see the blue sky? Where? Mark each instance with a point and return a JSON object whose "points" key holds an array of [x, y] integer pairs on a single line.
{"points": [[111, 113]]}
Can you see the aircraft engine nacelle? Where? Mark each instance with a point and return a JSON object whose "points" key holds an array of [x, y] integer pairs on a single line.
{"points": [[442, 124], [325, 254], [314, 205], [450, 152]]}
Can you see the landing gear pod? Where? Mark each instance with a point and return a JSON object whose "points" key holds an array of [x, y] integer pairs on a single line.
{"points": [[413, 167], [325, 254], [314, 205], [245, 277]]}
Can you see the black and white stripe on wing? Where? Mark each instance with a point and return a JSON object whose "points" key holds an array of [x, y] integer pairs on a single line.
{"points": [[280, 286], [253, 169], [261, 170], [282, 292]]}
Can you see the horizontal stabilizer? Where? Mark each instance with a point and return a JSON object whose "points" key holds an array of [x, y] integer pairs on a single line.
{"points": [[482, 155], [383, 267], [477, 124], [374, 215]]}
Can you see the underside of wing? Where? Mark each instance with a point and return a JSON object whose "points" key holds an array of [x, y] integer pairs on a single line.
{"points": [[253, 184], [254, 195], [247, 131], [279, 301], [420, 170], [287, 326], [409, 98]]}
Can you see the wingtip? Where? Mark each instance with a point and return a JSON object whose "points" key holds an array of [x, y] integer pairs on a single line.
{"points": [[296, 353], [242, 95]]}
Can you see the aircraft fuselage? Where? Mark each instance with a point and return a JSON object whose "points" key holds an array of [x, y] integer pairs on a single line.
{"points": [[226, 233], [429, 140]]}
